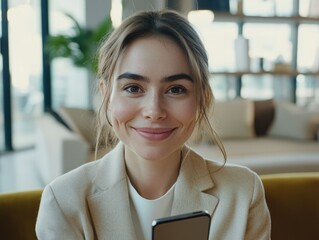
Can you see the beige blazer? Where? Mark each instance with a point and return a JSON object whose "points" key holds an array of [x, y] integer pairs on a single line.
{"points": [[92, 201]]}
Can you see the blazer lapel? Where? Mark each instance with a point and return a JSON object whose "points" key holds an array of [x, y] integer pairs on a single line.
{"points": [[194, 179], [110, 205]]}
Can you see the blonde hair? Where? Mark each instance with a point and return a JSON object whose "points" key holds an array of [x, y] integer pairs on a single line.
{"points": [[165, 23]]}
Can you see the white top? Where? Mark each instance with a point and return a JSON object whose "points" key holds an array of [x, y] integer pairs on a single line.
{"points": [[144, 211]]}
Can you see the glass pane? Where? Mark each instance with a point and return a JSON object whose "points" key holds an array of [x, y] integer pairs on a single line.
{"points": [[284, 7], [219, 43], [1, 109], [307, 90], [308, 48], [25, 49], [258, 7], [224, 87], [263, 44], [266, 87], [257, 87], [268, 8], [70, 84], [309, 8], [282, 86], [218, 39], [304, 8], [1, 102]]}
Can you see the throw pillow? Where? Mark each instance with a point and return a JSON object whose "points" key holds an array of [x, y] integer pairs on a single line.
{"points": [[292, 121], [234, 118]]}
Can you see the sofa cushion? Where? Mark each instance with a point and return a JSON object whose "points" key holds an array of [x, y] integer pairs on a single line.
{"points": [[234, 118], [266, 154], [264, 115], [294, 122], [81, 121]]}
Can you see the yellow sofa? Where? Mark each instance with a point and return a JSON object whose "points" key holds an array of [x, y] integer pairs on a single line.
{"points": [[293, 201], [18, 213]]}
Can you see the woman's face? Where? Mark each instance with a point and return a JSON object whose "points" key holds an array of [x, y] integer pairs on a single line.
{"points": [[153, 106]]}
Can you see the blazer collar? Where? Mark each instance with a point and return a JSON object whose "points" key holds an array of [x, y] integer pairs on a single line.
{"points": [[109, 205], [194, 179]]}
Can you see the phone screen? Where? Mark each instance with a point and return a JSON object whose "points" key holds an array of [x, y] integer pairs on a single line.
{"points": [[189, 226]]}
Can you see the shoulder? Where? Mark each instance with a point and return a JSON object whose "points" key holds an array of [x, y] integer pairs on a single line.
{"points": [[228, 177], [77, 182], [86, 178], [91, 177], [229, 170], [78, 176], [235, 178]]}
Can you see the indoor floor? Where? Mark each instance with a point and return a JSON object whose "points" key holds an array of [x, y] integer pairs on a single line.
{"points": [[18, 172]]}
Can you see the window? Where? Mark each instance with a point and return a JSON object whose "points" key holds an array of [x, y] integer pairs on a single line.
{"points": [[1, 109], [25, 52], [283, 51], [70, 84]]}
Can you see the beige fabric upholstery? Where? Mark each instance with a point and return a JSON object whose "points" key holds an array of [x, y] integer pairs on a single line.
{"points": [[80, 121], [234, 119], [294, 122], [266, 155]]}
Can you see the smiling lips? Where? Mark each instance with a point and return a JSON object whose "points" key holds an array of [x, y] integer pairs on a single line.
{"points": [[155, 134]]}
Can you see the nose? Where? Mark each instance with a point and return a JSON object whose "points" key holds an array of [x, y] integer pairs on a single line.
{"points": [[154, 108]]}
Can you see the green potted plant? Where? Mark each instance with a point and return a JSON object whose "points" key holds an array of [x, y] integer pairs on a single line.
{"points": [[81, 46]]}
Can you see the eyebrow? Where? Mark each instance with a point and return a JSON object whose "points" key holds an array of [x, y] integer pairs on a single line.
{"points": [[178, 77], [175, 77]]}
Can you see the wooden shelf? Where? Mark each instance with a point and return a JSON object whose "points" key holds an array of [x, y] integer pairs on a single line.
{"points": [[290, 73], [275, 73], [226, 17]]}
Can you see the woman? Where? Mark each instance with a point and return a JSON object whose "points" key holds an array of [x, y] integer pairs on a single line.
{"points": [[154, 81]]}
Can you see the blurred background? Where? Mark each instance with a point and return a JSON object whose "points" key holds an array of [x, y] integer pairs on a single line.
{"points": [[278, 40]]}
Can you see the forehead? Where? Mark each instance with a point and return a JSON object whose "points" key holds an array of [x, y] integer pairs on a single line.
{"points": [[153, 54]]}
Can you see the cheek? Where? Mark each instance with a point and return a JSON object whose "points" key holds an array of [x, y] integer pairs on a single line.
{"points": [[120, 111], [186, 112]]}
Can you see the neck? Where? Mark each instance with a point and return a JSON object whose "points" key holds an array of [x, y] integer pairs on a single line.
{"points": [[152, 178]]}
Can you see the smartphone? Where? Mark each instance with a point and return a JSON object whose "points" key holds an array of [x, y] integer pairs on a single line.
{"points": [[189, 226]]}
